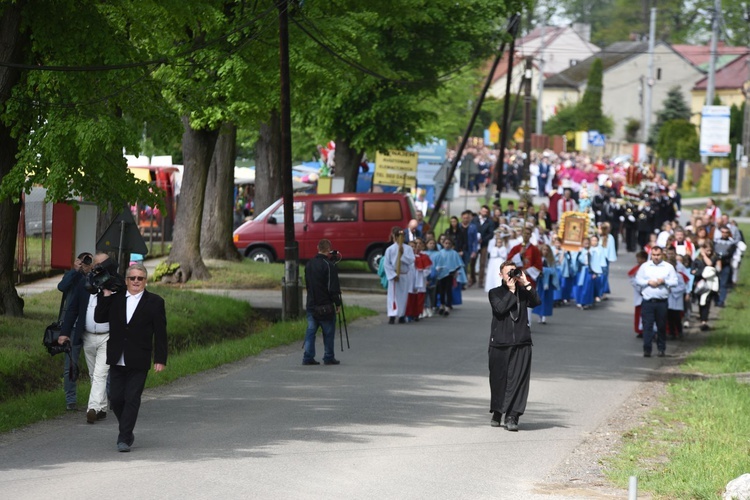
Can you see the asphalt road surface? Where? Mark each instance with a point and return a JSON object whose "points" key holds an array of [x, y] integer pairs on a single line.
{"points": [[405, 416]]}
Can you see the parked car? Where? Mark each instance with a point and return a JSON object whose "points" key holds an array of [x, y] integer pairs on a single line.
{"points": [[358, 225]]}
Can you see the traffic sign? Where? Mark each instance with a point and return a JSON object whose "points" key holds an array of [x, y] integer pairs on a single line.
{"points": [[494, 132], [596, 139]]}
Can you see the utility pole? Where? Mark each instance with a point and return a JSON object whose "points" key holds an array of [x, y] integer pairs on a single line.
{"points": [[650, 77], [540, 91], [711, 84], [743, 187], [291, 291], [499, 178], [513, 25], [527, 118]]}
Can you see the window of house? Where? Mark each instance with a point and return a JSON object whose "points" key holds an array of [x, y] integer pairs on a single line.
{"points": [[658, 73]]}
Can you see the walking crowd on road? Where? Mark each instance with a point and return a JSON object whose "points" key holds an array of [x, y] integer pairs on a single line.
{"points": [[626, 207]]}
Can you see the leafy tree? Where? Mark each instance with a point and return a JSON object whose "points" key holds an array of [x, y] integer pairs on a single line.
{"points": [[402, 50], [216, 87], [590, 115], [632, 126], [677, 21], [66, 129], [566, 120], [678, 139], [674, 108]]}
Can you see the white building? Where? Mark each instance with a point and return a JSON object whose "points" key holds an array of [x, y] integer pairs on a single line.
{"points": [[559, 48], [625, 74]]}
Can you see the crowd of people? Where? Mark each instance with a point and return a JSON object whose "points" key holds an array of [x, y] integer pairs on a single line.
{"points": [[631, 207]]}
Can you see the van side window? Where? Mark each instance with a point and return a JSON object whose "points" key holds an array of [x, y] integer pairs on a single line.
{"points": [[299, 213], [335, 211], [382, 210]]}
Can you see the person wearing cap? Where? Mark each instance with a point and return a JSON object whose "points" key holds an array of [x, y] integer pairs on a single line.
{"points": [[81, 267]]}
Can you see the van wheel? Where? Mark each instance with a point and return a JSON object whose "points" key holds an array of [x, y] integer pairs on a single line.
{"points": [[260, 255], [373, 259]]}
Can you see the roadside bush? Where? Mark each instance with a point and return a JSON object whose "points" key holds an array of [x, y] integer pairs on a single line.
{"points": [[193, 319]]}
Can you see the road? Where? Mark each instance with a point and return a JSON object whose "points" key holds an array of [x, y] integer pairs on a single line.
{"points": [[405, 415]]}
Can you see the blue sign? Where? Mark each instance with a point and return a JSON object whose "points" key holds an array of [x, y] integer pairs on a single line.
{"points": [[433, 152], [596, 139]]}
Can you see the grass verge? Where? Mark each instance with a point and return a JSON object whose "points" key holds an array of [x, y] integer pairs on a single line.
{"points": [[697, 441], [204, 332]]}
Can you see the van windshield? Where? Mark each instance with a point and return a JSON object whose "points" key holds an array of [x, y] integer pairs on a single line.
{"points": [[412, 208], [264, 213]]}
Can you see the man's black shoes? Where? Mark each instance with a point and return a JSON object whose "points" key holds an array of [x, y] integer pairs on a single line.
{"points": [[497, 419], [101, 415], [646, 354], [392, 320], [511, 423], [660, 354], [331, 362], [310, 362]]}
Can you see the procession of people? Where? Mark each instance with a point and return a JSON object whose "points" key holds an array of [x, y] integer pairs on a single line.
{"points": [[626, 208]]}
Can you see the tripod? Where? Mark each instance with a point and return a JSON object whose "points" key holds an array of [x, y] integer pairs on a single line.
{"points": [[342, 317]]}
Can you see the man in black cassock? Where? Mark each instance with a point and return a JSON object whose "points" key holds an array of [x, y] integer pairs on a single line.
{"points": [[510, 345]]}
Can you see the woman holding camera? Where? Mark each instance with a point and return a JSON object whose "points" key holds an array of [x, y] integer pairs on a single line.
{"points": [[510, 345]]}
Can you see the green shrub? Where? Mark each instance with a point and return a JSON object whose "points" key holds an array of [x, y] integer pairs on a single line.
{"points": [[164, 269], [193, 319]]}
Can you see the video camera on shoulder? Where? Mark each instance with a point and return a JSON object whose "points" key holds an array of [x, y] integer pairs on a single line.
{"points": [[104, 277], [335, 256]]}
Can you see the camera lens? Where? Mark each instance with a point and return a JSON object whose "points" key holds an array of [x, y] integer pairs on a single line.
{"points": [[87, 260]]}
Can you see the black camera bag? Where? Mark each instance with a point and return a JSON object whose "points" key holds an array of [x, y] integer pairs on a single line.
{"points": [[52, 335]]}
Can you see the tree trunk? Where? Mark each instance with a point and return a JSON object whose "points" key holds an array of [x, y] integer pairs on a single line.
{"points": [[268, 164], [347, 164], [197, 150], [216, 233], [12, 46]]}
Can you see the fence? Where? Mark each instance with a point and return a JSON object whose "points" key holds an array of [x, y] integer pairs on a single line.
{"points": [[34, 238], [34, 241]]}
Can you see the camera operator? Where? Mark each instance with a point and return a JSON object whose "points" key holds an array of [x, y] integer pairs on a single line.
{"points": [[510, 345], [323, 302], [81, 267], [80, 324]]}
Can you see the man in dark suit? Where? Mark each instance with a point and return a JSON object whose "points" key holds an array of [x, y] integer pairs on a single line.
{"points": [[138, 329]]}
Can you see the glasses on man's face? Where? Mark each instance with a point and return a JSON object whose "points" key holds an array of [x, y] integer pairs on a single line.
{"points": [[136, 278]]}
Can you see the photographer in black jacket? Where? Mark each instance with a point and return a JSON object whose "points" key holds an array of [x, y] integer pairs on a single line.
{"points": [[323, 302], [510, 345]]}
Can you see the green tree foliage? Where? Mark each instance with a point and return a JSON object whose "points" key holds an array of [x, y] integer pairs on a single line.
{"points": [[587, 113], [674, 108], [678, 139], [404, 51], [72, 84], [590, 116], [566, 120], [677, 21]]}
